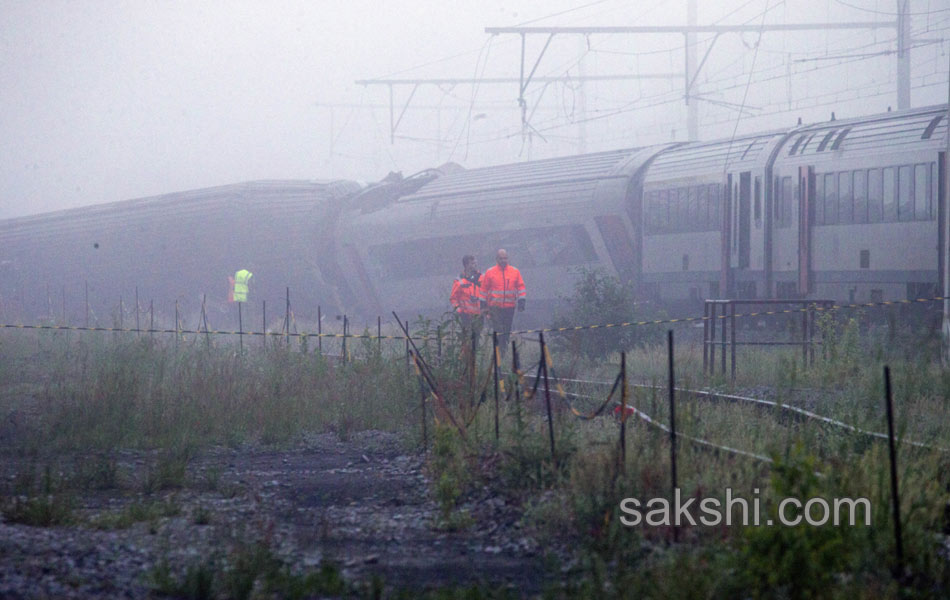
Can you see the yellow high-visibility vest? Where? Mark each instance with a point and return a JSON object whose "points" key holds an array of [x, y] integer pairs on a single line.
{"points": [[240, 285]]}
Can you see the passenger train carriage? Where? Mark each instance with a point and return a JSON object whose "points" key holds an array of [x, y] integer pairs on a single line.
{"points": [[846, 209]]}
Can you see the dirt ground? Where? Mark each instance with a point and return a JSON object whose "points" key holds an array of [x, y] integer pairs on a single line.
{"points": [[362, 503]]}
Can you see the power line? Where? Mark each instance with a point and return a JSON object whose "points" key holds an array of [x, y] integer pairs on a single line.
{"points": [[893, 14]]}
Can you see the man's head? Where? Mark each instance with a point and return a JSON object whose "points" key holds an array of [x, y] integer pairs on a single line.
{"points": [[469, 265], [502, 258]]}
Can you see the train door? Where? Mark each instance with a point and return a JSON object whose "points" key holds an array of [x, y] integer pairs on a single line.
{"points": [[736, 234], [745, 220], [943, 227], [806, 199], [725, 246]]}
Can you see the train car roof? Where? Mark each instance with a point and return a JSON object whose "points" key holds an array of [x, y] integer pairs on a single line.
{"points": [[282, 195], [892, 130], [716, 157], [561, 170]]}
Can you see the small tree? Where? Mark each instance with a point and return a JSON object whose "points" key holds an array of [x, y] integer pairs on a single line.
{"points": [[602, 299]]}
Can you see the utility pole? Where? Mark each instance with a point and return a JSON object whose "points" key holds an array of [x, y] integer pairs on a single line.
{"points": [[692, 108], [581, 114], [903, 54], [944, 211]]}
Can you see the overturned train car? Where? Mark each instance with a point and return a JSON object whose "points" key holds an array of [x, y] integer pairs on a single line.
{"points": [[175, 248]]}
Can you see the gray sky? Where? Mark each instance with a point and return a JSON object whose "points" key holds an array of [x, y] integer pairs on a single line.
{"points": [[103, 101]]}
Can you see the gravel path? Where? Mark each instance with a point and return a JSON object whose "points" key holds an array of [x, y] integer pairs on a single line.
{"points": [[363, 504]]}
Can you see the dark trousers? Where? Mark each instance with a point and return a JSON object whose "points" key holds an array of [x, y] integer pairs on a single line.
{"points": [[501, 319], [471, 329]]}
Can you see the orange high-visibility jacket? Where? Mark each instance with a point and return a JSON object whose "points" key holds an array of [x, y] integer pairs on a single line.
{"points": [[502, 288], [465, 296]]}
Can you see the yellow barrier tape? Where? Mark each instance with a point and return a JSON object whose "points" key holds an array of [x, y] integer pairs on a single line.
{"points": [[815, 308]]}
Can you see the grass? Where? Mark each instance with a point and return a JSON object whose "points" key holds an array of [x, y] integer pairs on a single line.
{"points": [[101, 395], [95, 396], [573, 497]]}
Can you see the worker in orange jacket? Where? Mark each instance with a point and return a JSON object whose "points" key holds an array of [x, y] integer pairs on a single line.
{"points": [[502, 289], [467, 302]]}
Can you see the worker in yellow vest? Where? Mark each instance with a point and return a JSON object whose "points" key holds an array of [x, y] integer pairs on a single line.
{"points": [[241, 280]]}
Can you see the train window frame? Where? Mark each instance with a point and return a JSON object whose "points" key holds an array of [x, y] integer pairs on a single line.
{"points": [[889, 196], [788, 198], [757, 202], [905, 194], [831, 198], [875, 195], [860, 195], [818, 210], [934, 190], [922, 192], [845, 198]]}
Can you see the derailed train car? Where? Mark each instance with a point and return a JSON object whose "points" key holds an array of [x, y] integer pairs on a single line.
{"points": [[175, 247], [553, 216], [847, 209]]}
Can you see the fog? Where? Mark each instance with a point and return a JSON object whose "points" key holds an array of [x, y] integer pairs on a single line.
{"points": [[107, 101]]}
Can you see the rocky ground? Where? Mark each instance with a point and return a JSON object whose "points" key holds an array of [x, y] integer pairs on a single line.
{"points": [[363, 504]]}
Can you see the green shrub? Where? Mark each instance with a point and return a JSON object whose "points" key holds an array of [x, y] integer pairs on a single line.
{"points": [[600, 299]]}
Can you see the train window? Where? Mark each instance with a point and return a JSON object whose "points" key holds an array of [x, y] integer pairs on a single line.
{"points": [[861, 196], [797, 143], [562, 245], [819, 209], [786, 289], [788, 197], [827, 138], [679, 210], [845, 202], [805, 145], [905, 198], [713, 216], [663, 214], [649, 212], [930, 127], [840, 139], [831, 199], [698, 194], [890, 195], [691, 202], [922, 192], [875, 196]]}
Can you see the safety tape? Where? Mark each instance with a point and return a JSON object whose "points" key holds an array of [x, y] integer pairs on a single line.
{"points": [[712, 395], [209, 332], [665, 428], [815, 308]]}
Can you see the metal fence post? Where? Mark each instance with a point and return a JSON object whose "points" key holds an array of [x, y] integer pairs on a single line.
{"points": [[547, 396], [895, 496], [672, 386]]}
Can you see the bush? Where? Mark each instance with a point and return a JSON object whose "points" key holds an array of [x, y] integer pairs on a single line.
{"points": [[601, 299]]}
